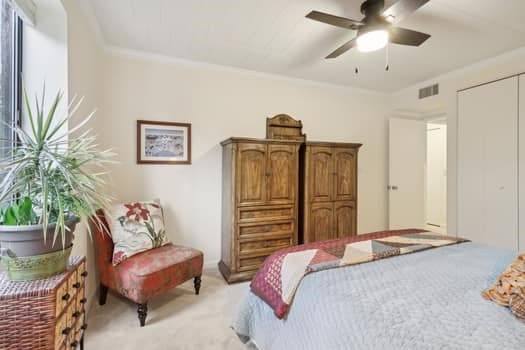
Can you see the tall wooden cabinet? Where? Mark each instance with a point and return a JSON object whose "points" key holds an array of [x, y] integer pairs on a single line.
{"points": [[329, 190], [260, 195]]}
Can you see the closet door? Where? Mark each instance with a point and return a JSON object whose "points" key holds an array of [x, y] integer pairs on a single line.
{"points": [[522, 164], [488, 163]]}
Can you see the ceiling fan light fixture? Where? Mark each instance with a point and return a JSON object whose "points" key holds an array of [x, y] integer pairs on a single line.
{"points": [[372, 40]]}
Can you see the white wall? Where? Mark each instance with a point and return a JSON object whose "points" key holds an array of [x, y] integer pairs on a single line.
{"points": [[220, 103], [84, 73], [495, 68]]}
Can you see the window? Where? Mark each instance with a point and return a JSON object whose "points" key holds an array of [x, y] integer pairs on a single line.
{"points": [[10, 75]]}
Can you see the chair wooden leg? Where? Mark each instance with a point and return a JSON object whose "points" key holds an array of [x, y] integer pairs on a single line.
{"points": [[142, 310], [103, 293], [197, 284]]}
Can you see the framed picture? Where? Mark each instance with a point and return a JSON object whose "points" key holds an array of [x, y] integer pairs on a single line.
{"points": [[163, 142]]}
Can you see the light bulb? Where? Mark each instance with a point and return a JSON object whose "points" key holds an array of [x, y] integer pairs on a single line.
{"points": [[372, 40]]}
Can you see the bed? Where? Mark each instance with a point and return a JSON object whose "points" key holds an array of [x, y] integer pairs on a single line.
{"points": [[427, 300]]}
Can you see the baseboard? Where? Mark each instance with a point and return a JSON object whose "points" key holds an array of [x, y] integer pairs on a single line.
{"points": [[210, 265]]}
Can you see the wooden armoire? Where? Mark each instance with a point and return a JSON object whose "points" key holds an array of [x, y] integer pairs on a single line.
{"points": [[329, 190], [260, 200], [281, 192]]}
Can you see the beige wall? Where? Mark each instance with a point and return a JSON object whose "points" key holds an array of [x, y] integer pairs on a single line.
{"points": [[495, 68], [220, 103], [83, 81]]}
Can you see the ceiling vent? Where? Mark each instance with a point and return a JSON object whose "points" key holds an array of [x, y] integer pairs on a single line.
{"points": [[428, 91]]}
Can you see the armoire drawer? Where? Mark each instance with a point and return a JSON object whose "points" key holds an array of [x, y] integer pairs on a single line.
{"points": [[266, 213], [264, 246], [274, 228]]}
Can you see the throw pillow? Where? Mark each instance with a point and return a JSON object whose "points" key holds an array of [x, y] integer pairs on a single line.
{"points": [[136, 227], [509, 289], [517, 305]]}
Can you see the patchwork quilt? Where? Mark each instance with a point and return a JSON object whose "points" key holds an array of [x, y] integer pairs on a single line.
{"points": [[280, 275]]}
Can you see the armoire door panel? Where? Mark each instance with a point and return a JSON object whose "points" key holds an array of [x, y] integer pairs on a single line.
{"points": [[252, 174], [344, 219], [321, 174], [282, 174], [321, 222], [345, 184]]}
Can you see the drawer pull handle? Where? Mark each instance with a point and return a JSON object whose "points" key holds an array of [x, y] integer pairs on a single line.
{"points": [[76, 285], [66, 330], [76, 314], [84, 326], [83, 300], [84, 274], [74, 344], [66, 297]]}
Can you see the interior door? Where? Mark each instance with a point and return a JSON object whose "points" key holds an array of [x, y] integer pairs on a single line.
{"points": [[321, 174], [436, 177], [488, 163], [282, 173], [407, 173], [251, 170], [345, 184]]}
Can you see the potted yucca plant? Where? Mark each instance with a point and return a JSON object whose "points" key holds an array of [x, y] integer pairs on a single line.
{"points": [[50, 181]]}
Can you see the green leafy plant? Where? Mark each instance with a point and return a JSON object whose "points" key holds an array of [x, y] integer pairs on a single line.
{"points": [[19, 213], [56, 171]]}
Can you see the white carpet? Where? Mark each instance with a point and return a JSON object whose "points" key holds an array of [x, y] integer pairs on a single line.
{"points": [[178, 320]]}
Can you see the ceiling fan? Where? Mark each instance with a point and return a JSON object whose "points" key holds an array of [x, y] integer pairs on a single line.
{"points": [[377, 28]]}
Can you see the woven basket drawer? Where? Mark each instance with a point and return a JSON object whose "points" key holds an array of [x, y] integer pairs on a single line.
{"points": [[39, 315]]}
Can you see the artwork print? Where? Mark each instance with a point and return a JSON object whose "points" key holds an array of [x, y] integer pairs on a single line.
{"points": [[163, 142]]}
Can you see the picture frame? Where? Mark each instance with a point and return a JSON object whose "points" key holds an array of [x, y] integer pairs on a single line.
{"points": [[161, 142]]}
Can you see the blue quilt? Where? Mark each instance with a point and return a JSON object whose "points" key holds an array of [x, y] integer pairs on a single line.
{"points": [[428, 300]]}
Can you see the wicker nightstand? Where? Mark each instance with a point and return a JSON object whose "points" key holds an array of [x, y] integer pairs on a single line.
{"points": [[44, 314]]}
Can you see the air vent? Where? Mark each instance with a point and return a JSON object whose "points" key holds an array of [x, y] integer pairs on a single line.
{"points": [[429, 91]]}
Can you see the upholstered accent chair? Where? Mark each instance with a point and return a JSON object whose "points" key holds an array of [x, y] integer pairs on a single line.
{"points": [[145, 275]]}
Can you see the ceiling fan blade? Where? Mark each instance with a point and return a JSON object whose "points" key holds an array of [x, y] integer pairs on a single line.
{"points": [[409, 37], [334, 20], [342, 49], [401, 9]]}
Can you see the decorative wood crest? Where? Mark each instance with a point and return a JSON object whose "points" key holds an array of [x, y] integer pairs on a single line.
{"points": [[284, 127]]}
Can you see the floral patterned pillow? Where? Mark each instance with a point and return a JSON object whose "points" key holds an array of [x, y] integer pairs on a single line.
{"points": [[136, 227]]}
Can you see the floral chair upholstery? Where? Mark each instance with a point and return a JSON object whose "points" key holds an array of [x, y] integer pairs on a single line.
{"points": [[147, 274]]}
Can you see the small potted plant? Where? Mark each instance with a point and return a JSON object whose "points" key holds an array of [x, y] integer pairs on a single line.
{"points": [[51, 181]]}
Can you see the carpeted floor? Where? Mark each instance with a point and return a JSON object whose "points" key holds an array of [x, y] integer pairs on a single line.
{"points": [[179, 320]]}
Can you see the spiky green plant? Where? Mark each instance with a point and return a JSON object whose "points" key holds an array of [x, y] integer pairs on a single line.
{"points": [[57, 167]]}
